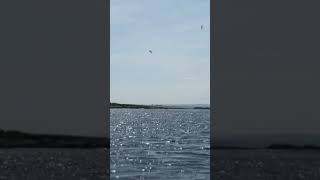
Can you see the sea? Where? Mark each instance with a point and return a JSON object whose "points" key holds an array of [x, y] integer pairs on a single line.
{"points": [[160, 144], [53, 164], [266, 164]]}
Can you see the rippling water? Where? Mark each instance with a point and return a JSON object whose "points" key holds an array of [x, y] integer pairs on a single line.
{"points": [[52, 163], [160, 144], [266, 164]]}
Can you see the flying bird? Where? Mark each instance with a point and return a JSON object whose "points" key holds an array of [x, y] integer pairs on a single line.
{"points": [[150, 51], [201, 27]]}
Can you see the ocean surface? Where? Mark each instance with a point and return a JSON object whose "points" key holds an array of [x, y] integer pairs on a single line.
{"points": [[53, 164], [266, 164], [160, 144]]}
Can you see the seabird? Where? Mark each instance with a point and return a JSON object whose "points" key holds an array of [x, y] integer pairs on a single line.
{"points": [[201, 27], [150, 51]]}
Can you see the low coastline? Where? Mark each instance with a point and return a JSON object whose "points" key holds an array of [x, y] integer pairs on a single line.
{"points": [[294, 141], [137, 106], [17, 139], [270, 147]]}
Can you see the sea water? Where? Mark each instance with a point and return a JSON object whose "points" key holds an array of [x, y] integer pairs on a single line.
{"points": [[160, 144]]}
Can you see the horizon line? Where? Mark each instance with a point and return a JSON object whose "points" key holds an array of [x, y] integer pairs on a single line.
{"points": [[163, 103]]}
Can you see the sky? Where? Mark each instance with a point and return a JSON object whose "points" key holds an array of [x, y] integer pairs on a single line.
{"points": [[178, 70]]}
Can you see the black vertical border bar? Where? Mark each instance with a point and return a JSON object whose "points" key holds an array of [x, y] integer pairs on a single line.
{"points": [[107, 99]]}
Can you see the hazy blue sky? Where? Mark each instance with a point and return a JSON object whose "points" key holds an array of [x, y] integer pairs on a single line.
{"points": [[178, 70]]}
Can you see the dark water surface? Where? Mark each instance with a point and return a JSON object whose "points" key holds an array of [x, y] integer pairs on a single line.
{"points": [[266, 164], [160, 144], [55, 164]]}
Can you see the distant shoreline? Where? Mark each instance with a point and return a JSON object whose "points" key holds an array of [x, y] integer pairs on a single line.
{"points": [[136, 106], [17, 139], [271, 147]]}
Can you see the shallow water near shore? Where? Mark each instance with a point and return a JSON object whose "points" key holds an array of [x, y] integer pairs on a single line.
{"points": [[160, 144]]}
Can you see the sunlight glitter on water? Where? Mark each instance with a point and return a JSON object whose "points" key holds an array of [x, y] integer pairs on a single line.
{"points": [[157, 144]]}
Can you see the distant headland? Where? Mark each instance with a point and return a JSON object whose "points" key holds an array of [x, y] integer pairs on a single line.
{"points": [[275, 141], [17, 139], [137, 106], [271, 147]]}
